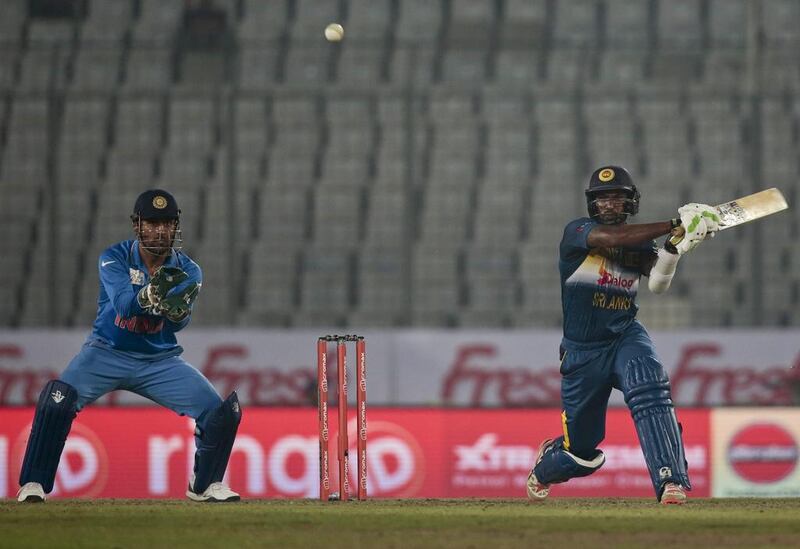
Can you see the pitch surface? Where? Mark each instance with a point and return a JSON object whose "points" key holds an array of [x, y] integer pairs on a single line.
{"points": [[562, 522]]}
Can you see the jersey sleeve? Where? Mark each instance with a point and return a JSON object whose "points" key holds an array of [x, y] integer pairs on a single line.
{"points": [[576, 235], [116, 281], [649, 251], [194, 271]]}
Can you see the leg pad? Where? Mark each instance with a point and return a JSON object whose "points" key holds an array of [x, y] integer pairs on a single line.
{"points": [[215, 435], [52, 421], [559, 465], [648, 397]]}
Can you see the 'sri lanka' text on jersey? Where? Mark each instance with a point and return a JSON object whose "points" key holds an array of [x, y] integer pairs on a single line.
{"points": [[121, 323], [598, 285]]}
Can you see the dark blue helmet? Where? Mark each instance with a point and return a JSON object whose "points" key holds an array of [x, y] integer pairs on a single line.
{"points": [[612, 178], [157, 205]]}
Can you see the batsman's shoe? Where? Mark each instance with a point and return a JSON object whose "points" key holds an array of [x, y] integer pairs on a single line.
{"points": [[673, 494], [538, 491], [32, 492], [215, 493]]}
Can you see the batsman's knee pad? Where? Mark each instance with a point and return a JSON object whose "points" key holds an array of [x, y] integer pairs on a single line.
{"points": [[648, 397], [559, 465], [52, 421], [215, 433]]}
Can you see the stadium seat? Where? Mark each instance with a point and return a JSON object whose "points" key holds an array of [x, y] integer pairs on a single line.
{"points": [[629, 24], [680, 25]]}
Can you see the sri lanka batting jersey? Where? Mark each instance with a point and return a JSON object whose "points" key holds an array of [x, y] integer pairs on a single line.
{"points": [[598, 286], [121, 323]]}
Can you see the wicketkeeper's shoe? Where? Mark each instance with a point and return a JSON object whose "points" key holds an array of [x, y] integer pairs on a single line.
{"points": [[673, 494], [538, 491], [215, 493], [32, 492]]}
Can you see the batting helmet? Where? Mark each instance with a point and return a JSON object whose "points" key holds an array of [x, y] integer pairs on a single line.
{"points": [[612, 178]]}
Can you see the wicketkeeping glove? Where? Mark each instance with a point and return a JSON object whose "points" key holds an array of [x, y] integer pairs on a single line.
{"points": [[164, 280], [178, 303]]}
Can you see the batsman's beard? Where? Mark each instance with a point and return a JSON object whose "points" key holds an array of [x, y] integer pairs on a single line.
{"points": [[612, 218]]}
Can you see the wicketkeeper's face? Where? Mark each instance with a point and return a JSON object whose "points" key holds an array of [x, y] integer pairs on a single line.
{"points": [[156, 235]]}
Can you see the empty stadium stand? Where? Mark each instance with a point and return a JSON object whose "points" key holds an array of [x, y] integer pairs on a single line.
{"points": [[418, 173]]}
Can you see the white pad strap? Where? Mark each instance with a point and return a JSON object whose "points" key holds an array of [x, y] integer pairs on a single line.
{"points": [[662, 272], [595, 463]]}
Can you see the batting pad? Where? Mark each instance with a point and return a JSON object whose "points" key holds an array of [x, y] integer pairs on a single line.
{"points": [[648, 397], [559, 465], [214, 443], [52, 421]]}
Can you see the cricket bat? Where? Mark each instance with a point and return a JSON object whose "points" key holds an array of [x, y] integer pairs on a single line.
{"points": [[751, 207], [743, 210]]}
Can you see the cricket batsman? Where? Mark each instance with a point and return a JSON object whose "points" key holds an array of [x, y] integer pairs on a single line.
{"points": [[147, 290], [601, 259]]}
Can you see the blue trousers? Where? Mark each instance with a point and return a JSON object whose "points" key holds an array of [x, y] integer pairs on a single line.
{"points": [[589, 372], [587, 379], [171, 382]]}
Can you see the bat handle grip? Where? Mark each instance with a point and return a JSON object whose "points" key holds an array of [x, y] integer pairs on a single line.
{"points": [[676, 234]]}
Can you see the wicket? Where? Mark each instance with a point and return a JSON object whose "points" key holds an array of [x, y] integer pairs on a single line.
{"points": [[361, 415]]}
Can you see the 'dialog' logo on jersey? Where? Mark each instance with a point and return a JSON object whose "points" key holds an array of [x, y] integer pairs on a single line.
{"points": [[608, 279]]}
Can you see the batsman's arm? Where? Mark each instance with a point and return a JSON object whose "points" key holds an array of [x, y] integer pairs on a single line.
{"points": [[116, 281], [627, 236]]}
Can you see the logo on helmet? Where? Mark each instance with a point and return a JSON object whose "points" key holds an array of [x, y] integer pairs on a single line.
{"points": [[606, 175], [159, 202]]}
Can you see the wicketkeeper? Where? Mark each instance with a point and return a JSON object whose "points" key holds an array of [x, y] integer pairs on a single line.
{"points": [[601, 259], [147, 290]]}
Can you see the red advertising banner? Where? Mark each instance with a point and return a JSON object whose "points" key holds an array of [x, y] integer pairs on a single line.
{"points": [[148, 453]]}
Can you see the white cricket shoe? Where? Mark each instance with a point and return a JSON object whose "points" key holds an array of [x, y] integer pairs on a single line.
{"points": [[673, 494], [215, 493], [32, 492], [538, 491]]}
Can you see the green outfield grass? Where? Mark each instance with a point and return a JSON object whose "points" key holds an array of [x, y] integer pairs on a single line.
{"points": [[492, 524]]}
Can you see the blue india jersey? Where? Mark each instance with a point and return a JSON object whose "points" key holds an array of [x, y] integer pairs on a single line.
{"points": [[598, 285], [121, 323]]}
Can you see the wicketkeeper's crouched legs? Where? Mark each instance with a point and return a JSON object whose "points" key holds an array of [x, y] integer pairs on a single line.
{"points": [[55, 411], [647, 393], [215, 434]]}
